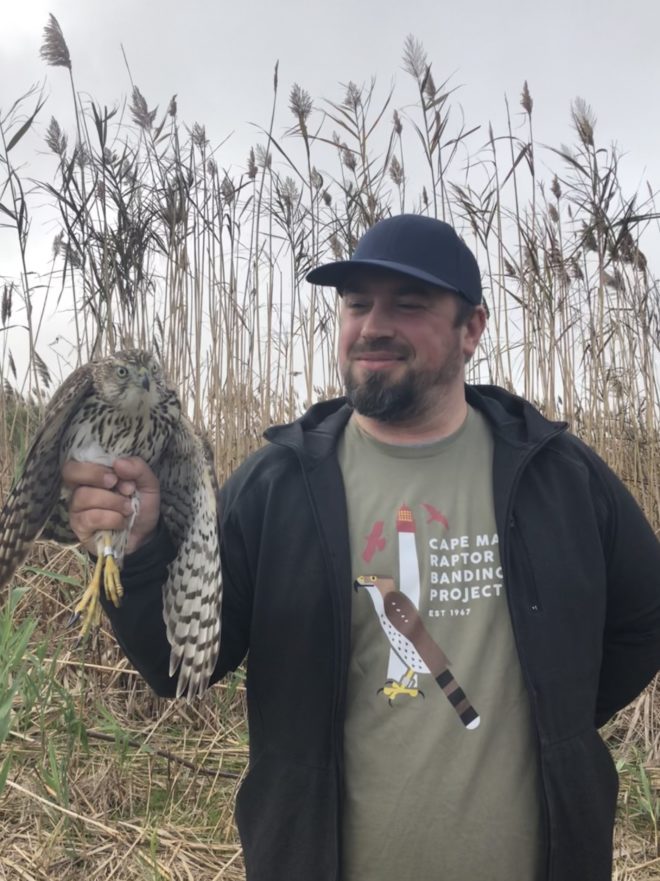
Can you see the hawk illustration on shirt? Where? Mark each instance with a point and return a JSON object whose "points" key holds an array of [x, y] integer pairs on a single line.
{"points": [[411, 641]]}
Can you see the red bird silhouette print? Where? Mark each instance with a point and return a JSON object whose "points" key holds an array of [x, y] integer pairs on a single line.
{"points": [[435, 515], [375, 541]]}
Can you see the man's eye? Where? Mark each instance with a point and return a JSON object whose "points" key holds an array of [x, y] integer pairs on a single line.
{"points": [[411, 306]]}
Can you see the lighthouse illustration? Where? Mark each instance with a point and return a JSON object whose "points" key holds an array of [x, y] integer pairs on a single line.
{"points": [[409, 583]]}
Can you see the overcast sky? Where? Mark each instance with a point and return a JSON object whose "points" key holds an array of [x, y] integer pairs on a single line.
{"points": [[218, 57]]}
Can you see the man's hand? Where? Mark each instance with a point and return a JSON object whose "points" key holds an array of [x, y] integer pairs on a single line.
{"points": [[101, 499]]}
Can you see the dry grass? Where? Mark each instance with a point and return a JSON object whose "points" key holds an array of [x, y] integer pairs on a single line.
{"points": [[159, 245], [105, 779]]}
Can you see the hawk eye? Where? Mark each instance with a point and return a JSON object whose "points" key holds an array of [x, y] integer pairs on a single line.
{"points": [[122, 372], [154, 368]]}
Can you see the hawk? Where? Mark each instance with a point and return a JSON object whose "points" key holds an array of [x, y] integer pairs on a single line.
{"points": [[405, 631], [111, 408]]}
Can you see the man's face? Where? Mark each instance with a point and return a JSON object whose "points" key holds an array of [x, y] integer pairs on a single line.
{"points": [[399, 348]]}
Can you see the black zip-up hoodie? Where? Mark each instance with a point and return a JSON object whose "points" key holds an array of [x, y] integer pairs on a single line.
{"points": [[582, 574]]}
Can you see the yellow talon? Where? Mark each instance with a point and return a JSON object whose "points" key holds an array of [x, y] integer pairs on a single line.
{"points": [[89, 606], [395, 689], [114, 590]]}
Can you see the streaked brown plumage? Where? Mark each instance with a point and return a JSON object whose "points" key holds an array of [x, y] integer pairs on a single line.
{"points": [[111, 408]]}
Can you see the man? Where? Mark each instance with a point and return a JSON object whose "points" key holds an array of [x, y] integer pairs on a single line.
{"points": [[443, 595]]}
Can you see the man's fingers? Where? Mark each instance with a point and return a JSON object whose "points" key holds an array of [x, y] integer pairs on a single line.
{"points": [[88, 474], [93, 510], [99, 520], [88, 498], [132, 468], [125, 476]]}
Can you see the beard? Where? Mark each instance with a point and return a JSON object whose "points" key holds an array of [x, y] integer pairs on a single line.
{"points": [[398, 401]]}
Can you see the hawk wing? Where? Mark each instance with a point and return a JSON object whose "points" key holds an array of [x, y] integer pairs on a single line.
{"points": [[37, 490], [192, 594], [404, 616], [57, 526]]}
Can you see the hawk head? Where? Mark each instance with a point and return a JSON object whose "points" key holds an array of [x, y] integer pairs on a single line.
{"points": [[382, 583], [130, 380]]}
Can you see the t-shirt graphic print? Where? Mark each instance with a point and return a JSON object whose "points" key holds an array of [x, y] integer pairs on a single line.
{"points": [[412, 649]]}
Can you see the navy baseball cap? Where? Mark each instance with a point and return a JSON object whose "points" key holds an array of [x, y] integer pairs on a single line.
{"points": [[414, 245]]}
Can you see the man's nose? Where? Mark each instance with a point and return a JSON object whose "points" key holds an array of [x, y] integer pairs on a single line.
{"points": [[377, 323]]}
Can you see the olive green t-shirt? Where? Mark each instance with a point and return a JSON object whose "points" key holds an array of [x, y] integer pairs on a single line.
{"points": [[441, 768]]}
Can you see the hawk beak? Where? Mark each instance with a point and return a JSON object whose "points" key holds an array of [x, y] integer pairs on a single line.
{"points": [[145, 382]]}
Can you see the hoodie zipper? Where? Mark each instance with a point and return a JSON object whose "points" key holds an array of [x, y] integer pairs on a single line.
{"points": [[534, 607], [342, 649], [534, 600]]}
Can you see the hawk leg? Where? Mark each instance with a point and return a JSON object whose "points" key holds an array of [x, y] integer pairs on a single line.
{"points": [[111, 581], [89, 607]]}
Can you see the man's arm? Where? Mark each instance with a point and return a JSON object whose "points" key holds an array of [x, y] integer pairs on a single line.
{"points": [[631, 645]]}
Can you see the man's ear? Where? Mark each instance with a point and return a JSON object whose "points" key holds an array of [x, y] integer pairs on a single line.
{"points": [[472, 331]]}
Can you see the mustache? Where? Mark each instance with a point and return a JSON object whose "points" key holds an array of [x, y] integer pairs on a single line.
{"points": [[379, 346]]}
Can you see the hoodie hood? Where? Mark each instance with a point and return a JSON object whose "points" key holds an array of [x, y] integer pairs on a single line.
{"points": [[316, 432], [512, 417]]}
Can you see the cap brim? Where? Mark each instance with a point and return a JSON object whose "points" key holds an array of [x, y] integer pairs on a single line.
{"points": [[335, 274]]}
